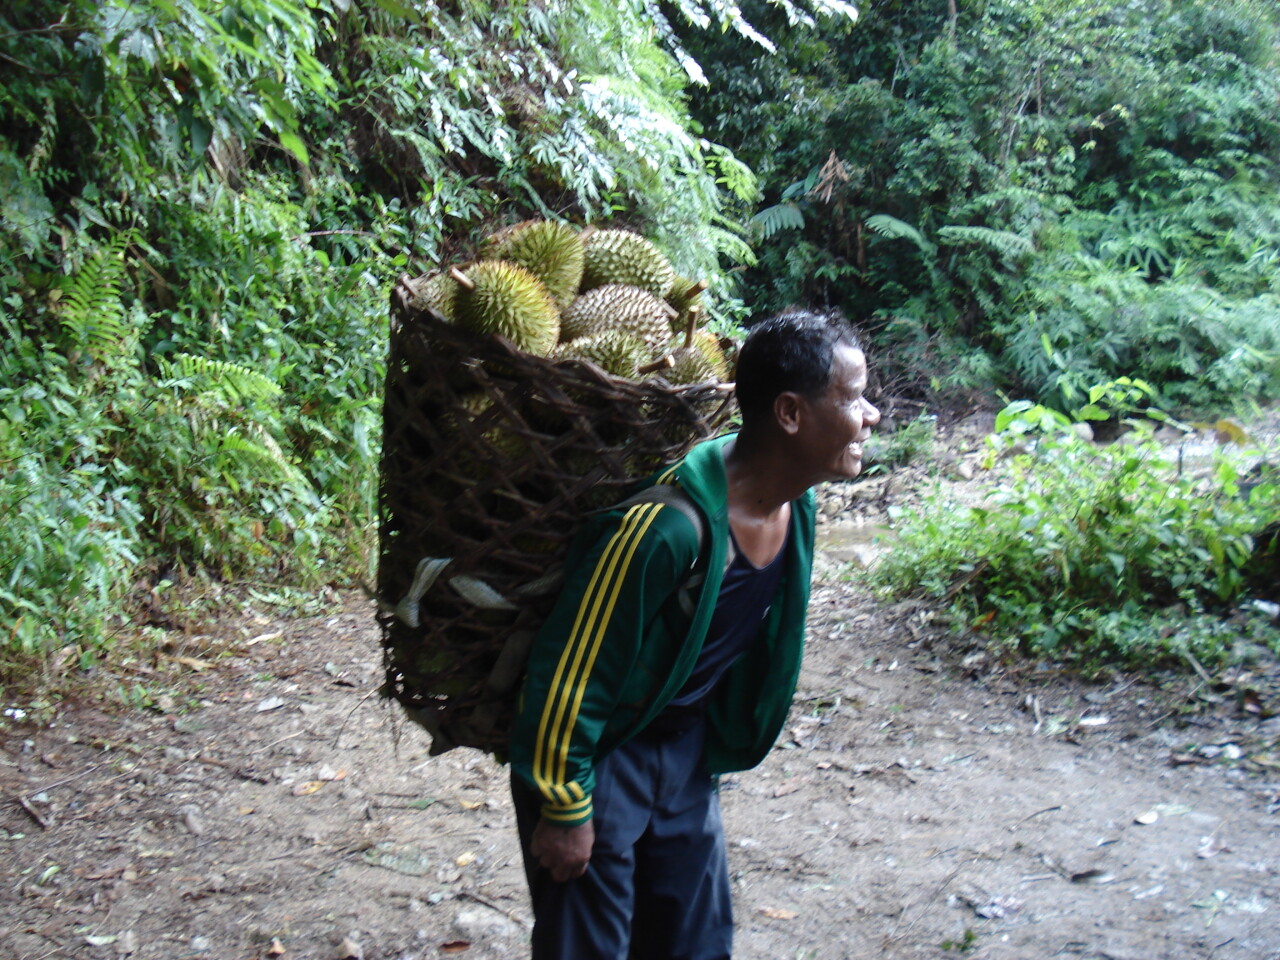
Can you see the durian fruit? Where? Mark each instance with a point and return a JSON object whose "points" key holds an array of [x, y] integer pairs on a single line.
{"points": [[689, 365], [620, 256], [685, 294], [615, 306], [507, 444], [708, 344], [496, 296], [552, 252], [614, 351], [435, 291]]}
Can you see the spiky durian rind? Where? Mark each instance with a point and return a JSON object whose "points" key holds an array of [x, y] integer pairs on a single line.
{"points": [[552, 252], [615, 306], [615, 352], [620, 256], [510, 301], [435, 291]]}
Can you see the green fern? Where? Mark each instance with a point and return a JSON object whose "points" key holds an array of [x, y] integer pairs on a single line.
{"points": [[891, 228], [1003, 242], [780, 216], [91, 311], [234, 383]]}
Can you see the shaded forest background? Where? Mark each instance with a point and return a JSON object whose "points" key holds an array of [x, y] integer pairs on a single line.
{"points": [[204, 204]]}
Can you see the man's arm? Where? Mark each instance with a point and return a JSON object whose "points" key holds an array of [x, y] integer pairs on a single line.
{"points": [[582, 661]]}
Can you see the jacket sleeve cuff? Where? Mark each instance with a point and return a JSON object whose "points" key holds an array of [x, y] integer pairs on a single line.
{"points": [[568, 815]]}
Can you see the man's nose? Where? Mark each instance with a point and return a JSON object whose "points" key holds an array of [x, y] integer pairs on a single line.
{"points": [[870, 414]]}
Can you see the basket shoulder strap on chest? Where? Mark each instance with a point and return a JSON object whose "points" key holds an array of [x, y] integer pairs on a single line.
{"points": [[673, 496]]}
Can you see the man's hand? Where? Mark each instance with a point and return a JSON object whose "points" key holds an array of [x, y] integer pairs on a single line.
{"points": [[565, 851]]}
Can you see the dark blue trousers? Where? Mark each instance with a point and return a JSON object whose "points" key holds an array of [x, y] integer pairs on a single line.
{"points": [[657, 887]]}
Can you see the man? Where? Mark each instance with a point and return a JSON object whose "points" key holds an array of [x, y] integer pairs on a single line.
{"points": [[665, 664]]}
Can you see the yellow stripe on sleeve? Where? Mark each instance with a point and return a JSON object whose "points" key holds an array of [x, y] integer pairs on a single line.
{"points": [[594, 649], [605, 575]]}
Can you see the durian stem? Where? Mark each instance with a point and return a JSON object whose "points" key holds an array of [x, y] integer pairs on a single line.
{"points": [[696, 289], [662, 363], [463, 280], [689, 327]]}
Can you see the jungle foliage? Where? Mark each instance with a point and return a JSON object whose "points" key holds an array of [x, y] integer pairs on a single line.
{"points": [[204, 203], [1037, 196]]}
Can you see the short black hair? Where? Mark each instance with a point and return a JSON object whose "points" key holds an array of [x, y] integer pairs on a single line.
{"points": [[791, 351]]}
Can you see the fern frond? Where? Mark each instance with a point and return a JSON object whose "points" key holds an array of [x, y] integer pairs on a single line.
{"points": [[891, 228], [232, 382], [781, 216], [1003, 242], [257, 453], [91, 311]]}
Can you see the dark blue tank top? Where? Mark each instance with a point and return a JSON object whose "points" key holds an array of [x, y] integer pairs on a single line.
{"points": [[746, 594]]}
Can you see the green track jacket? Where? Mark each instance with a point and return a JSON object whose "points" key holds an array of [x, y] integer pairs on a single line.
{"points": [[617, 646]]}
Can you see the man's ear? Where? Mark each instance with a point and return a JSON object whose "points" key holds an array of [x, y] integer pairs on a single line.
{"points": [[787, 410]]}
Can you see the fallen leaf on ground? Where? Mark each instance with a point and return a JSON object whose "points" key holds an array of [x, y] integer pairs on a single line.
{"points": [[777, 913], [1092, 875], [271, 703], [407, 860], [455, 946], [466, 859], [308, 788], [789, 786]]}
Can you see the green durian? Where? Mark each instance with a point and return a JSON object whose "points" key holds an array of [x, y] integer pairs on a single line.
{"points": [[689, 365], [495, 296], [620, 256], [618, 307], [498, 436], [614, 352], [708, 344], [685, 294], [552, 252], [436, 291]]}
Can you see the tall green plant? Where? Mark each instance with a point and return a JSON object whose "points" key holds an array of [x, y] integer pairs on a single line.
{"points": [[1093, 555]]}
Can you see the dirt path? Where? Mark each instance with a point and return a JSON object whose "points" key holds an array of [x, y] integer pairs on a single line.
{"points": [[916, 807]]}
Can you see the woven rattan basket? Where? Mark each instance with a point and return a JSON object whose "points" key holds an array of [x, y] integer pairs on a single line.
{"points": [[472, 528]]}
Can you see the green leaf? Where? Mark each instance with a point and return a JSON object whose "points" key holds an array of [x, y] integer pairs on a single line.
{"points": [[201, 134], [398, 9], [293, 143]]}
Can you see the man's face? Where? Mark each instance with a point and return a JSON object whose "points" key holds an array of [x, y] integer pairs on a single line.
{"points": [[840, 419]]}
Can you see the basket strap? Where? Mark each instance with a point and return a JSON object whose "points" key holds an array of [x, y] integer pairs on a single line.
{"points": [[674, 496]]}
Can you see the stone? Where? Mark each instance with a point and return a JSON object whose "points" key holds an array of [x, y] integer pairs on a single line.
{"points": [[484, 924]]}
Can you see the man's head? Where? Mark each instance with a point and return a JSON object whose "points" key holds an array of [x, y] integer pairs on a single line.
{"points": [[801, 377]]}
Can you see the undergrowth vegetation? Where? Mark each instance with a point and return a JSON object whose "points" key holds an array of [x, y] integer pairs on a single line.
{"points": [[1110, 555], [1036, 196]]}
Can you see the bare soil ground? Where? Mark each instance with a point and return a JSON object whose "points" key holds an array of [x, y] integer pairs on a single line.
{"points": [[923, 802]]}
